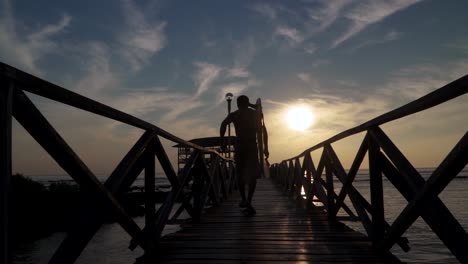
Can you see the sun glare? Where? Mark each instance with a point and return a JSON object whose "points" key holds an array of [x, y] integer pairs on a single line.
{"points": [[300, 118]]}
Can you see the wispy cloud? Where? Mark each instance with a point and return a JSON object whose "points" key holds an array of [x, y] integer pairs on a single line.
{"points": [[321, 62], [264, 9], [304, 77], [141, 39], [99, 74], [238, 73], [324, 14], [24, 51], [369, 12], [206, 74], [415, 81], [290, 34], [459, 45], [311, 82], [390, 36], [310, 48], [244, 52], [236, 88]]}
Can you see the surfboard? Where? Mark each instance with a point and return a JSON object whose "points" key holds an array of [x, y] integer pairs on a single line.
{"points": [[265, 171]]}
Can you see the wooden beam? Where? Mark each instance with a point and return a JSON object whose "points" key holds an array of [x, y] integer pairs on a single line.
{"points": [[291, 174], [40, 129], [376, 191], [35, 85], [308, 166], [223, 178], [212, 191], [351, 174], [6, 102], [440, 178], [360, 204], [330, 186], [298, 176], [119, 181], [197, 188], [437, 216], [150, 188], [187, 175], [121, 178], [166, 164], [215, 186]]}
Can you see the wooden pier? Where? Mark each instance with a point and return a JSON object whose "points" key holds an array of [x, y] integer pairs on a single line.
{"points": [[288, 228], [283, 231]]}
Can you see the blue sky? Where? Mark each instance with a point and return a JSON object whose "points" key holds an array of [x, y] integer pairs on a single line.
{"points": [[172, 62]]}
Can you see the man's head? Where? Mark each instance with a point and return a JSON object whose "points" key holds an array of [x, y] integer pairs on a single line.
{"points": [[243, 101]]}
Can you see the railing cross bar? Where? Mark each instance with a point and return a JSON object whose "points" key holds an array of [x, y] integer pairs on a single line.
{"points": [[440, 178], [348, 181], [438, 217]]}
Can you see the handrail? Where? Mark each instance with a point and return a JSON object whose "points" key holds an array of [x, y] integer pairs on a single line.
{"points": [[385, 159], [200, 181], [57, 93], [447, 92]]}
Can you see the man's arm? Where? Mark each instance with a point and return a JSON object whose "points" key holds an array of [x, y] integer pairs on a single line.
{"points": [[222, 129]]}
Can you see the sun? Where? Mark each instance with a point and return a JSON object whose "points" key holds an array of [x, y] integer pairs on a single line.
{"points": [[300, 118]]}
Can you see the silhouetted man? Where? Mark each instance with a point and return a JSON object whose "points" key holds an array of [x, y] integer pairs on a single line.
{"points": [[246, 122]]}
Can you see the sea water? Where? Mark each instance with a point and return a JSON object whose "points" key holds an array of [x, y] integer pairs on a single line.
{"points": [[110, 243]]}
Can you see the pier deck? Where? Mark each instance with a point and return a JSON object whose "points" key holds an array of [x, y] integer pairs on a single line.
{"points": [[281, 232]]}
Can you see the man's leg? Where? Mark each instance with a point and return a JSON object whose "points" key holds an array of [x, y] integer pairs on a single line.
{"points": [[250, 211], [252, 186], [241, 183]]}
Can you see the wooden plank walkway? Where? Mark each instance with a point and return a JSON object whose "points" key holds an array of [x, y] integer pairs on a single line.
{"points": [[281, 232]]}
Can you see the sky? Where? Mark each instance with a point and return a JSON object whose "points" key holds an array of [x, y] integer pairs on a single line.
{"points": [[172, 62]]}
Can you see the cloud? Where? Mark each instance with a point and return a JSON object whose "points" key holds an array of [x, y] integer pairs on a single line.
{"points": [[369, 12], [236, 88], [141, 39], [24, 52], [325, 14], [244, 52], [292, 35], [99, 74], [390, 36], [310, 48], [206, 74], [317, 16], [320, 62], [265, 10], [304, 77], [152, 101], [415, 81], [460, 45], [311, 82], [238, 73]]}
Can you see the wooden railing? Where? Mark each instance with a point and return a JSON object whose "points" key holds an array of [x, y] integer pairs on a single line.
{"points": [[384, 159], [207, 176]]}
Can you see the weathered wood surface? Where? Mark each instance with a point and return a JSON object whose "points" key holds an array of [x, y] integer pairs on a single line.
{"points": [[281, 232]]}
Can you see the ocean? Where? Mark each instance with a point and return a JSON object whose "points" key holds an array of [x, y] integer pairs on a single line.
{"points": [[110, 244]]}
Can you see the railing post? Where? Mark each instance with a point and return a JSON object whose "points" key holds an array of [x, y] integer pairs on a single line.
{"points": [[330, 186], [376, 191], [197, 188], [297, 184], [150, 202], [6, 91]]}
